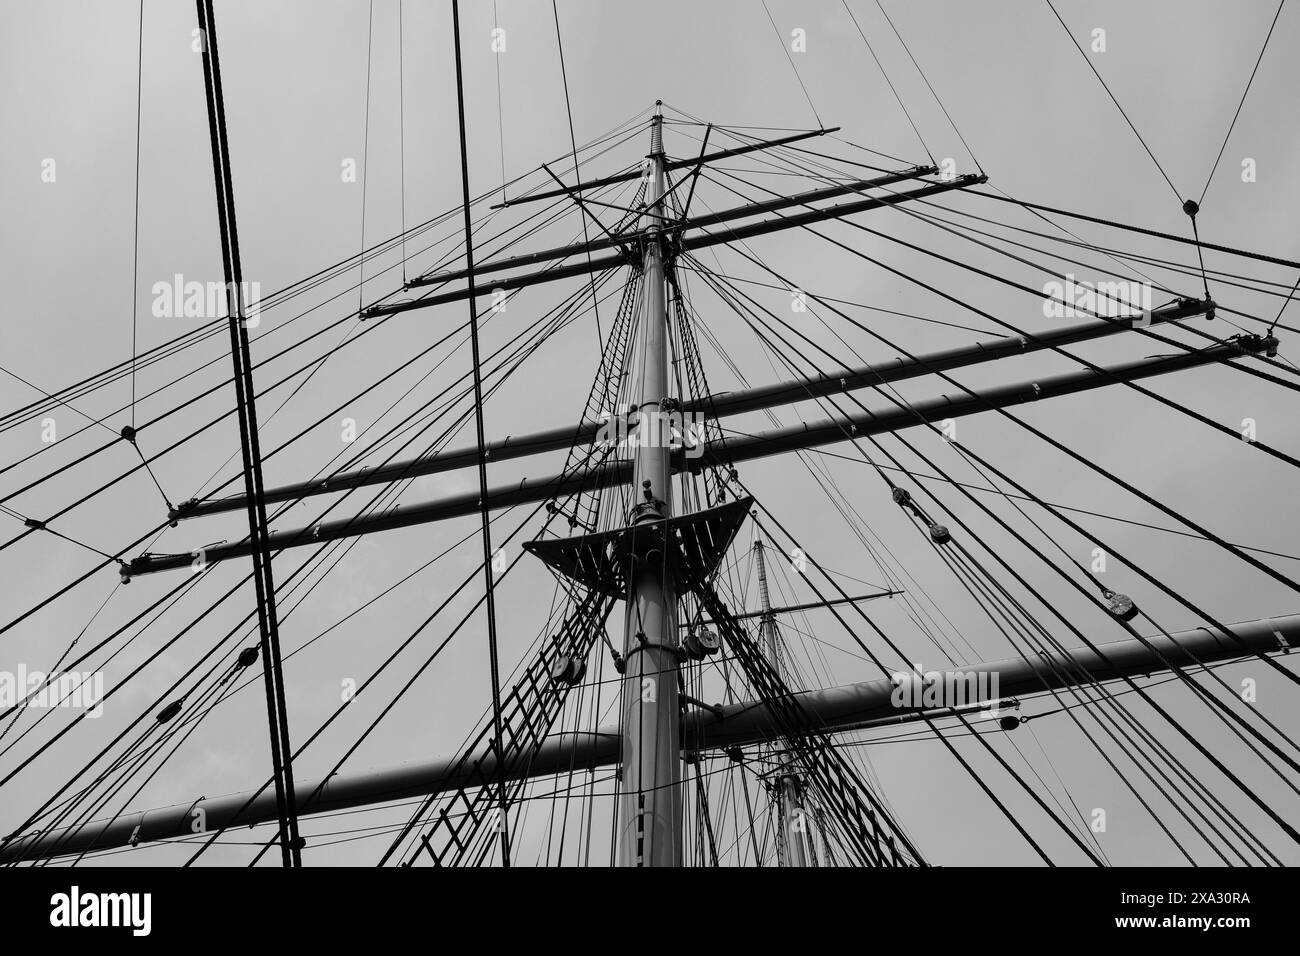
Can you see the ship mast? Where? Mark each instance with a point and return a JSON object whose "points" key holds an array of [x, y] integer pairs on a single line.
{"points": [[653, 557], [650, 805], [787, 787]]}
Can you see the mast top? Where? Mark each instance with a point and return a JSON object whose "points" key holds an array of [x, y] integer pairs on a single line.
{"points": [[657, 133]]}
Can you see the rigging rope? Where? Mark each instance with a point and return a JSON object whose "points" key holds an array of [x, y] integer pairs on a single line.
{"points": [[135, 248], [1115, 101], [781, 40], [1232, 125]]}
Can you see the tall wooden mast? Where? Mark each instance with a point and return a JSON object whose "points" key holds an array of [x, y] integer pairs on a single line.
{"points": [[650, 808]]}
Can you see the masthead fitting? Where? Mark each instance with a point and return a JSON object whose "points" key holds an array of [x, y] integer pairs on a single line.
{"points": [[657, 135]]}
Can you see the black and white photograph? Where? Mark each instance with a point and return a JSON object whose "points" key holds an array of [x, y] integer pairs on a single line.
{"points": [[752, 434]]}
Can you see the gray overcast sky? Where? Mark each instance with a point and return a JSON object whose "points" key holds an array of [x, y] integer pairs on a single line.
{"points": [[295, 77]]}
